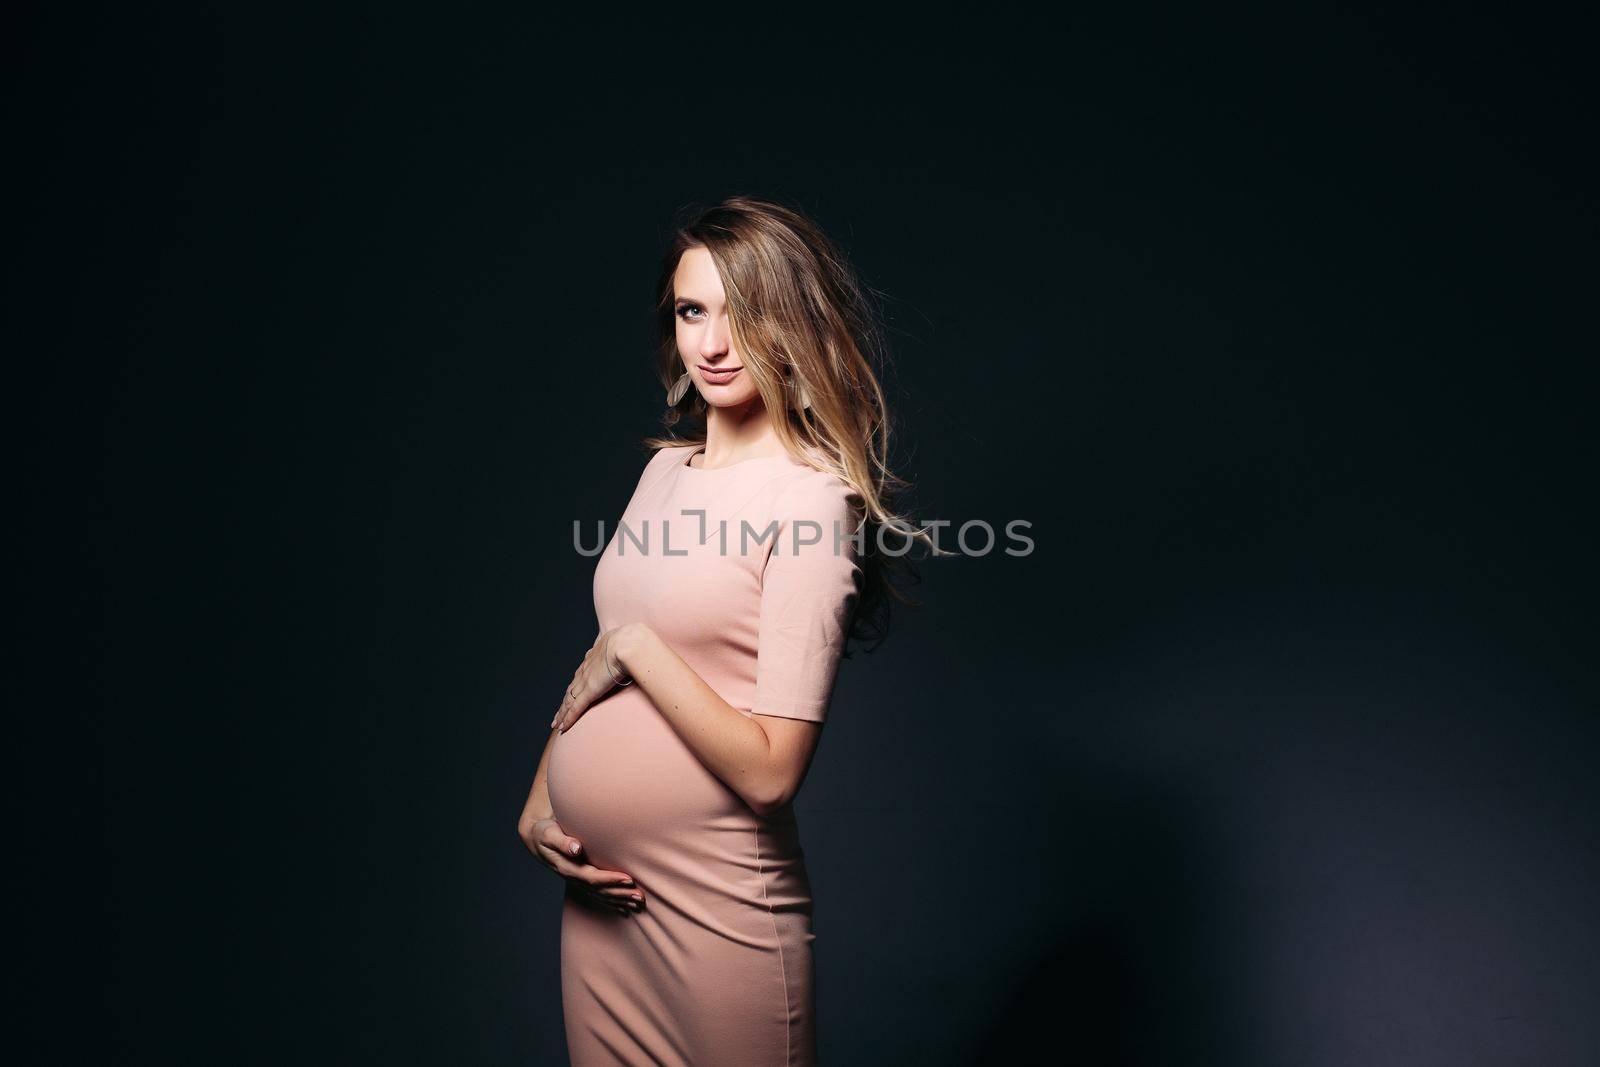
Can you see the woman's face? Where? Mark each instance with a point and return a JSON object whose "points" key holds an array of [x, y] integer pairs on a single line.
{"points": [[704, 338]]}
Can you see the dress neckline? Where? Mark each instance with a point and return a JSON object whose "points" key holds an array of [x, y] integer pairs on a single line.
{"points": [[695, 450]]}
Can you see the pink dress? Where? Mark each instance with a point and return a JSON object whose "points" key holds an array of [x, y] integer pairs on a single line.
{"points": [[748, 573]]}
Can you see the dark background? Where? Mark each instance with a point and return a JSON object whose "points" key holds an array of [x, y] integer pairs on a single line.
{"points": [[1277, 328]]}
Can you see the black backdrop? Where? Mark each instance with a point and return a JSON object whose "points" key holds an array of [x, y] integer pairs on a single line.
{"points": [[1276, 750]]}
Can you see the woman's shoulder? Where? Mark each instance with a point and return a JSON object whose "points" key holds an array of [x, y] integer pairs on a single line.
{"points": [[658, 465], [664, 454], [805, 491]]}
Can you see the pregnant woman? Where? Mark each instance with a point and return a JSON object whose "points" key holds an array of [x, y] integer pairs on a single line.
{"points": [[746, 557]]}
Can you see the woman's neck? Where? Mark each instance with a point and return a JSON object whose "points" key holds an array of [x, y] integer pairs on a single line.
{"points": [[735, 435]]}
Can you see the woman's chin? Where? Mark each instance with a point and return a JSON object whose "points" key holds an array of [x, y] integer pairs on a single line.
{"points": [[721, 397]]}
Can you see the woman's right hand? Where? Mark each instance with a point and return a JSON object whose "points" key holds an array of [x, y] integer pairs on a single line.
{"points": [[564, 855]]}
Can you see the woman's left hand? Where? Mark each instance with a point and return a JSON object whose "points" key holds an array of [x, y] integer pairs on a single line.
{"points": [[597, 675]]}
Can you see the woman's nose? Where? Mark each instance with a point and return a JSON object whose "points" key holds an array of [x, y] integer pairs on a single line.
{"points": [[714, 341]]}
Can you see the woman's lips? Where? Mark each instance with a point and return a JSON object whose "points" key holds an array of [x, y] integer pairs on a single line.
{"points": [[715, 376]]}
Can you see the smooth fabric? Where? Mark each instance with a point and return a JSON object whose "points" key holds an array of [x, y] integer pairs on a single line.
{"points": [[749, 574]]}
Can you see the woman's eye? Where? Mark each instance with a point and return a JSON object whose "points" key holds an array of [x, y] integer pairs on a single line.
{"points": [[687, 309]]}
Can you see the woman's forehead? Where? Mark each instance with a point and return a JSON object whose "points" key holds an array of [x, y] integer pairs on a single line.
{"points": [[696, 277]]}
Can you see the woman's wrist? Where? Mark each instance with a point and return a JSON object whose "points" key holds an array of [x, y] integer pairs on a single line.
{"points": [[627, 641]]}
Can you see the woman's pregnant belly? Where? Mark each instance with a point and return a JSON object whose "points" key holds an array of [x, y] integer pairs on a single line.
{"points": [[625, 785]]}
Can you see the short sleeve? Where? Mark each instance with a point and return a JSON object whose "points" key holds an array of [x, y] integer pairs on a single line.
{"points": [[810, 585]]}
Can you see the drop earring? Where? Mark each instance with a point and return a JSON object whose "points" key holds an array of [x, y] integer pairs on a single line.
{"points": [[679, 388]]}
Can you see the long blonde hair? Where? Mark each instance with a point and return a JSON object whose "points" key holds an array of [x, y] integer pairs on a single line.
{"points": [[801, 321]]}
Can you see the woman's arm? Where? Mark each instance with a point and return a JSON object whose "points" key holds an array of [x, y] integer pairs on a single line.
{"points": [[762, 758]]}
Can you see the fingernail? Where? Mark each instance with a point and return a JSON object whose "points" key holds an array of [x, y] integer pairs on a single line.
{"points": [[636, 896], [627, 881], [574, 847]]}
